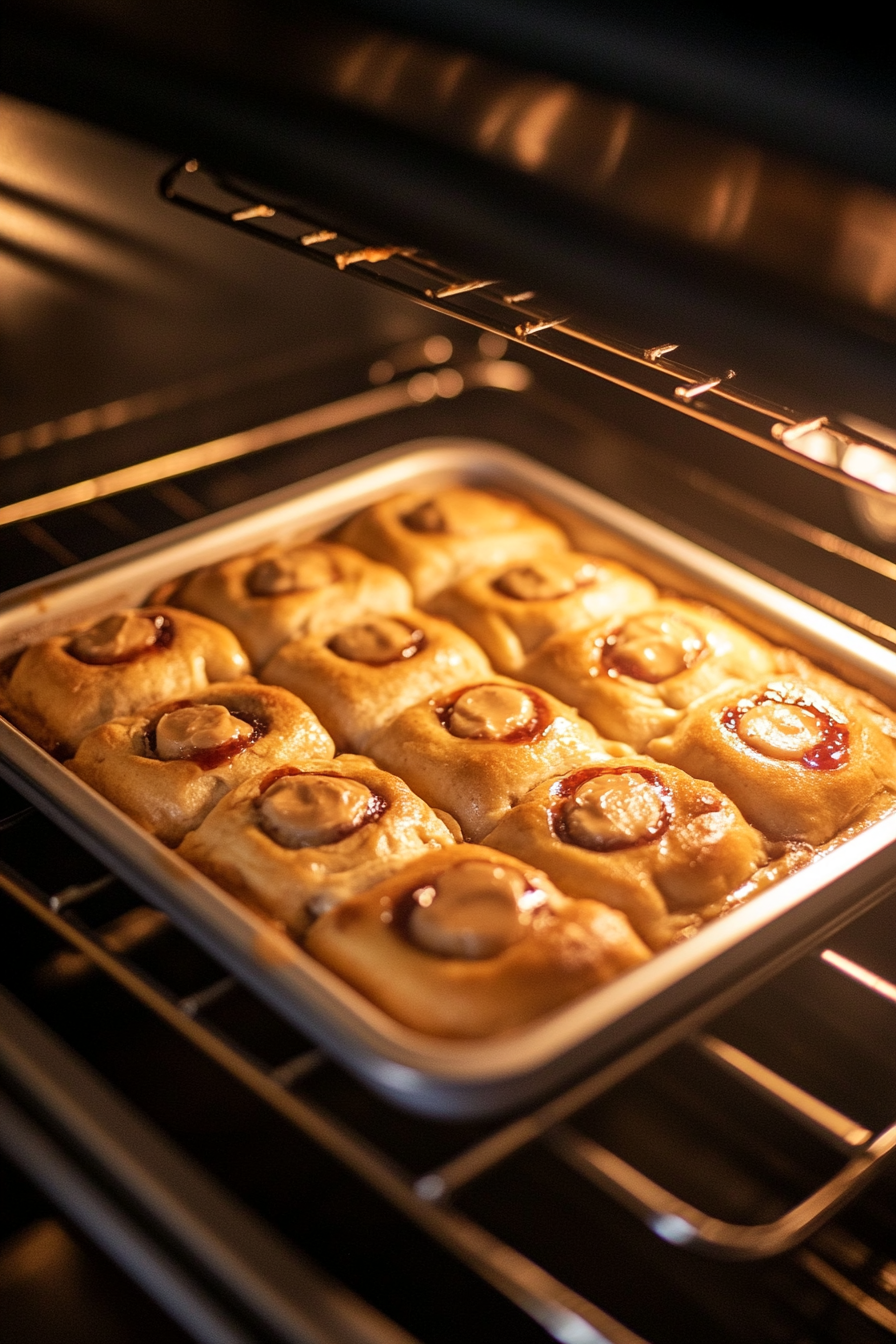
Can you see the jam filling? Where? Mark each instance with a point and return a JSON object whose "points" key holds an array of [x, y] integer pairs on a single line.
{"points": [[96, 646], [538, 722], [651, 648], [374, 807], [378, 642], [829, 750], [602, 831], [471, 911], [212, 757]]}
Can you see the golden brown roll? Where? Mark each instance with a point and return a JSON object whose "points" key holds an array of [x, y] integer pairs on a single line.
{"points": [[635, 678], [469, 942], [478, 750], [299, 839], [280, 593], [62, 688], [513, 610], [438, 539], [644, 838], [360, 677], [168, 766], [800, 765]]}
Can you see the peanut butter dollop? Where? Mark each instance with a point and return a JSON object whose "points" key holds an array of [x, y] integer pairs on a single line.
{"points": [[304, 569], [655, 646], [382, 639], [304, 811], [611, 811], [197, 728], [784, 732], [491, 712], [546, 578], [116, 639], [472, 911]]}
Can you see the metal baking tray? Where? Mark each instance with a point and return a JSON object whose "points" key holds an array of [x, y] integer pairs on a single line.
{"points": [[666, 997]]}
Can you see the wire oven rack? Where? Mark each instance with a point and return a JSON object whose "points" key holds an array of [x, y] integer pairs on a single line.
{"points": [[813, 440], [837, 1116], [571, 1126]]}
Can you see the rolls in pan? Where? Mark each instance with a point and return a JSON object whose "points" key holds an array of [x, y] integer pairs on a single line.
{"points": [[167, 766], [301, 838]]}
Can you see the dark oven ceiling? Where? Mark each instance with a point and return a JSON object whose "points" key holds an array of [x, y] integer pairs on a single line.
{"points": [[624, 165]]}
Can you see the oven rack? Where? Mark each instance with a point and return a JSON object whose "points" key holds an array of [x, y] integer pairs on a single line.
{"points": [[813, 440], [427, 1196], [679, 1221]]}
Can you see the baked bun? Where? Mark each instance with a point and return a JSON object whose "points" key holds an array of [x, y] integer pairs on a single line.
{"points": [[167, 766], [469, 942], [64, 687], [361, 676], [645, 838], [279, 593], [513, 610], [801, 765], [438, 539], [476, 751], [299, 839], [633, 679]]}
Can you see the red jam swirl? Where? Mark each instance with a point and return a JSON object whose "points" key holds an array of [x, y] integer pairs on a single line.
{"points": [[163, 640], [564, 790], [540, 721], [213, 756], [830, 753], [377, 805]]}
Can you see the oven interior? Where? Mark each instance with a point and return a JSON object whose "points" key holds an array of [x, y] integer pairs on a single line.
{"points": [[179, 1162]]}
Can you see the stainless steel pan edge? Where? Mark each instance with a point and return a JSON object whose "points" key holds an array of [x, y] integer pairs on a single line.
{"points": [[422, 1073]]}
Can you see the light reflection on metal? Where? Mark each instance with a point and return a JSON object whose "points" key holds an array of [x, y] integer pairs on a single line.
{"points": [[525, 329], [537, 124], [319, 236], [876, 983], [370, 255], [463, 287], [812, 439], [690, 392], [846, 1290], [253, 212], [871, 465], [796, 1098], [656, 352]]}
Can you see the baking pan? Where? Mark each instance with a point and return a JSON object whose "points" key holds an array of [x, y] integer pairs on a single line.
{"points": [[422, 1073]]}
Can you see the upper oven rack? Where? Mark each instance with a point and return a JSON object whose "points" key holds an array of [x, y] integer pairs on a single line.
{"points": [[809, 437]]}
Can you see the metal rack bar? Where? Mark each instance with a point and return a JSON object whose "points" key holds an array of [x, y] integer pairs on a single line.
{"points": [[567, 1316], [396, 395], [146, 1185], [424, 1198], [681, 1224], [815, 441]]}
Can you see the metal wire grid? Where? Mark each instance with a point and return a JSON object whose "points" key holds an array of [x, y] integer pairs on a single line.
{"points": [[813, 440], [426, 1197]]}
